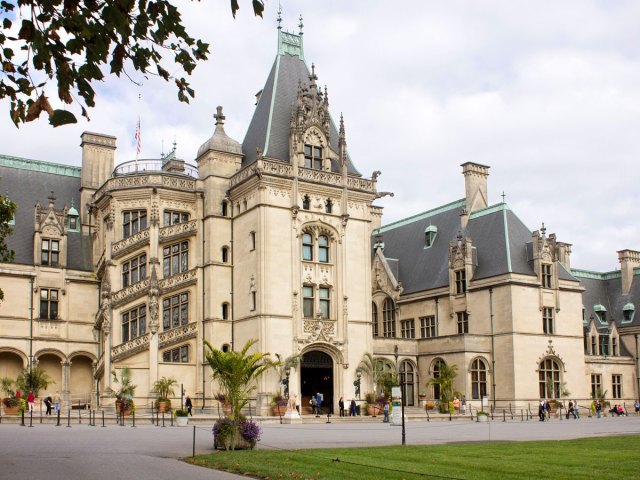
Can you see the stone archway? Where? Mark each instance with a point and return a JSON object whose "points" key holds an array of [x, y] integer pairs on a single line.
{"points": [[407, 377], [80, 380], [317, 375], [11, 365], [52, 365]]}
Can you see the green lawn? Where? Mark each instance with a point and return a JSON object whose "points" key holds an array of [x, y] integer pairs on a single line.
{"points": [[601, 458]]}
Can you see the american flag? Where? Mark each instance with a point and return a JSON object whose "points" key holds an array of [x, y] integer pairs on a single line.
{"points": [[138, 144]]}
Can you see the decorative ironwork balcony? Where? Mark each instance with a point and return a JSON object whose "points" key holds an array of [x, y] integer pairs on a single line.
{"points": [[135, 167]]}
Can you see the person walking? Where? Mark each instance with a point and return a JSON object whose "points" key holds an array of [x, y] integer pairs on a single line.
{"points": [[352, 408], [56, 402], [547, 409], [541, 411], [386, 412], [456, 405], [188, 405], [341, 406], [318, 404], [31, 398], [598, 408], [637, 407], [576, 409], [314, 405]]}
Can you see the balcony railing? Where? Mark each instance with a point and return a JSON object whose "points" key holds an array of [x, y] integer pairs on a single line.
{"points": [[177, 335], [131, 347], [134, 167]]}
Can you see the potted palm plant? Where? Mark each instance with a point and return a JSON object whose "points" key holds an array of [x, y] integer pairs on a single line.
{"points": [[124, 391], [33, 380], [445, 378], [164, 389], [236, 374], [10, 402]]}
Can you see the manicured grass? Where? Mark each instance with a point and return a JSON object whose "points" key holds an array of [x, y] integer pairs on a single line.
{"points": [[601, 458]]}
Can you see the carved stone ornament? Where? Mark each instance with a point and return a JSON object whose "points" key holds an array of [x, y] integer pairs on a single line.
{"points": [[154, 293], [311, 109], [319, 330]]}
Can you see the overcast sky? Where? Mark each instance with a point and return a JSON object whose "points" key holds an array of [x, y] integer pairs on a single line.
{"points": [[547, 93]]}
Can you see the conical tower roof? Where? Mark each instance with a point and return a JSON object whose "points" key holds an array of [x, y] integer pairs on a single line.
{"points": [[220, 141], [270, 126]]}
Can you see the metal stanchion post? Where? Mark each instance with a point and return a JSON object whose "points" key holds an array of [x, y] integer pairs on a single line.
{"points": [[30, 418], [40, 411], [103, 425], [79, 415], [69, 418], [193, 452], [58, 415], [22, 416], [171, 415], [134, 419], [504, 415], [328, 417], [163, 425]]}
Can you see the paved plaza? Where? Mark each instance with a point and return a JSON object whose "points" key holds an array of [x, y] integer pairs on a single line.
{"points": [[115, 452]]}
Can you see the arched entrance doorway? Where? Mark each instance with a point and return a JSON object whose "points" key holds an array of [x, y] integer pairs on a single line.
{"points": [[316, 376]]}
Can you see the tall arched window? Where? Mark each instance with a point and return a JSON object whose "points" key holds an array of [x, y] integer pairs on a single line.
{"points": [[437, 366], [478, 379], [388, 318], [323, 249], [549, 378], [374, 319], [407, 379], [307, 247]]}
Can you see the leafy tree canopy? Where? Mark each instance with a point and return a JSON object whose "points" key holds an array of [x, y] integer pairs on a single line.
{"points": [[74, 43]]}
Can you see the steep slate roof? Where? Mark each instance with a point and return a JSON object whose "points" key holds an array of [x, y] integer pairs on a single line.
{"points": [[270, 126], [28, 181], [499, 238], [606, 289]]}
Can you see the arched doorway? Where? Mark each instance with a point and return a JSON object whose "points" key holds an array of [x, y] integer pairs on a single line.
{"points": [[316, 376], [407, 378]]}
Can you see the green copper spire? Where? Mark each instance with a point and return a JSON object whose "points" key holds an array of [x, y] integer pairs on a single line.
{"points": [[290, 43]]}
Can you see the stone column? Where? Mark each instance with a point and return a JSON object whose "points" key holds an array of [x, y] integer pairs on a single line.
{"points": [[66, 381]]}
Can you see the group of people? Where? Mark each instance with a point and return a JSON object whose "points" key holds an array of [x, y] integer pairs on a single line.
{"points": [[460, 405], [49, 402], [353, 411], [544, 410]]}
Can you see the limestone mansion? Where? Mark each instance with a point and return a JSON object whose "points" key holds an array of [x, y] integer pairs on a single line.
{"points": [[278, 238]]}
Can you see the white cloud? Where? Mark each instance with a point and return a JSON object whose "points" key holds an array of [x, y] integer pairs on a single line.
{"points": [[546, 93]]}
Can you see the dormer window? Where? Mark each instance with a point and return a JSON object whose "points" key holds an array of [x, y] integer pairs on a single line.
{"points": [[313, 157], [430, 235], [627, 312], [461, 281], [547, 276], [73, 216], [50, 254], [601, 312]]}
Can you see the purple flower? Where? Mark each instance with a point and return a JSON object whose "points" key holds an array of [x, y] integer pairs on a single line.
{"points": [[250, 431]]}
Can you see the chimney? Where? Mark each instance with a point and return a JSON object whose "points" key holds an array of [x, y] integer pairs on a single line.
{"points": [[629, 259], [475, 185], [98, 159], [563, 252]]}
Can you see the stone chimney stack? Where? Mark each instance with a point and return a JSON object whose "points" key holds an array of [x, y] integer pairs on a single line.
{"points": [[98, 160], [475, 185], [563, 252], [629, 259]]}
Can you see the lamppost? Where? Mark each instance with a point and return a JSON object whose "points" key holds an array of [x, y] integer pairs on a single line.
{"points": [[285, 381], [356, 383], [401, 377]]}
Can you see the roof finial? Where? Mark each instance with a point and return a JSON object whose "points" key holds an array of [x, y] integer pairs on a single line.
{"points": [[543, 229], [503, 195], [279, 16], [219, 116], [301, 25], [341, 126], [52, 198], [313, 77]]}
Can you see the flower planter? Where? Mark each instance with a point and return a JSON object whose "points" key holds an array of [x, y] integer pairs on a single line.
{"points": [[279, 410], [241, 443], [127, 411], [164, 406], [11, 410], [182, 421], [374, 410], [483, 418]]}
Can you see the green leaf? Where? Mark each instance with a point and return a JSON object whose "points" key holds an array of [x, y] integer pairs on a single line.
{"points": [[258, 8], [62, 117]]}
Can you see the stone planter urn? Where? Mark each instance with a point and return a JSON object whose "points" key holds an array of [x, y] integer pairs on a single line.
{"points": [[483, 417], [182, 421]]}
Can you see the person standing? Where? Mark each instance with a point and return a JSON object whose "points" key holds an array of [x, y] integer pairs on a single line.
{"points": [[314, 405], [456, 405], [188, 405], [352, 408], [319, 404], [385, 410], [547, 409], [598, 408], [31, 398], [541, 411], [576, 409], [56, 403], [341, 406], [464, 404], [637, 407]]}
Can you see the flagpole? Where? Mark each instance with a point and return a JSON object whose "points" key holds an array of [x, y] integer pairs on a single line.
{"points": [[138, 135]]}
